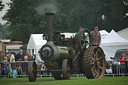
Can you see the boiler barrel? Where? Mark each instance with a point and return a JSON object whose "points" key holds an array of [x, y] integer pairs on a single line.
{"points": [[58, 53], [65, 53]]}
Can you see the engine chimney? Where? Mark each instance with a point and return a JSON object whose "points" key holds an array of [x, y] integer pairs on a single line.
{"points": [[49, 28]]}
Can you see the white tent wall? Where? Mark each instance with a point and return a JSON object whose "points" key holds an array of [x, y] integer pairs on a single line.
{"points": [[112, 43], [111, 50], [35, 43]]}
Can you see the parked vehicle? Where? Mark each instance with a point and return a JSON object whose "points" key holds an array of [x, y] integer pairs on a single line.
{"points": [[115, 61]]}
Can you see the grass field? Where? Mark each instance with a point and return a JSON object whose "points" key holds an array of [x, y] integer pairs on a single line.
{"points": [[73, 81]]}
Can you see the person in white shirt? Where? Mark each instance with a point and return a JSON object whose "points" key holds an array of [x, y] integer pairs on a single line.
{"points": [[38, 61], [11, 62]]}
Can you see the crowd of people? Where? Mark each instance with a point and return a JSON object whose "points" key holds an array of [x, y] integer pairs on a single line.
{"points": [[15, 64]]}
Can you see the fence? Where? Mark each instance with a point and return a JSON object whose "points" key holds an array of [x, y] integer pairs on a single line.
{"points": [[20, 66], [22, 69], [118, 69]]}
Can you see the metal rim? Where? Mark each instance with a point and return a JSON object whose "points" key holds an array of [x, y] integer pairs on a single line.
{"points": [[66, 69]]}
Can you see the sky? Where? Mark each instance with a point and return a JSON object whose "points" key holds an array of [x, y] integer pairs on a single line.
{"points": [[3, 12]]}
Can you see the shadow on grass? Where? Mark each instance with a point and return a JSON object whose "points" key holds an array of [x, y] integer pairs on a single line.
{"points": [[51, 79]]}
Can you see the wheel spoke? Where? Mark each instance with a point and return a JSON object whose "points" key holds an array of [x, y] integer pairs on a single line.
{"points": [[93, 68], [92, 63], [100, 67], [97, 72], [100, 58], [92, 58]]}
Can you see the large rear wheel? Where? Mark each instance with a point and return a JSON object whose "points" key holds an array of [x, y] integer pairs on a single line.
{"points": [[94, 64]]}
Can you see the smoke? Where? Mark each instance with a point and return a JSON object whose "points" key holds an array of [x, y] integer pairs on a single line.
{"points": [[46, 7]]}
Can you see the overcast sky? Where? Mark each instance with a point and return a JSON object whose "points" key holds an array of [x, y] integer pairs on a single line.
{"points": [[2, 13]]}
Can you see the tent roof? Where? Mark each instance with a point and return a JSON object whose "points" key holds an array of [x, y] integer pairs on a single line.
{"points": [[123, 33], [113, 38], [104, 34], [36, 41]]}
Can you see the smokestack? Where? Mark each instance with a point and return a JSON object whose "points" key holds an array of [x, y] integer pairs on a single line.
{"points": [[49, 28]]}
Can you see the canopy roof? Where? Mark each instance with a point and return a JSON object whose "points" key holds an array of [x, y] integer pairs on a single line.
{"points": [[36, 41], [123, 33], [114, 39]]}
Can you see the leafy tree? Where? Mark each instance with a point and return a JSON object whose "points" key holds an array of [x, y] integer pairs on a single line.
{"points": [[27, 16], [107, 14], [23, 19], [3, 30], [1, 5]]}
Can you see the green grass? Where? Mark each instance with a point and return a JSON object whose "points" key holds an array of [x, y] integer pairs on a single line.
{"points": [[73, 81]]}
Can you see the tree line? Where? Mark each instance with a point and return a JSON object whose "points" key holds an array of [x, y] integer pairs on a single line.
{"points": [[26, 17]]}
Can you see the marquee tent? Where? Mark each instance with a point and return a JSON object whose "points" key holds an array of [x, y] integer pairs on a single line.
{"points": [[35, 43], [123, 33], [112, 43]]}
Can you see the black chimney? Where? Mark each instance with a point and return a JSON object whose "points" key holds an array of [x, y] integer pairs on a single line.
{"points": [[49, 28]]}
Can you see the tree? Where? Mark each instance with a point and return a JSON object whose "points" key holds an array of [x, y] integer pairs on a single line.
{"points": [[23, 19], [1, 5], [3, 30], [27, 16], [107, 14]]}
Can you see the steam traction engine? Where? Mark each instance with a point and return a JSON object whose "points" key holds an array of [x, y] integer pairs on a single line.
{"points": [[63, 56]]}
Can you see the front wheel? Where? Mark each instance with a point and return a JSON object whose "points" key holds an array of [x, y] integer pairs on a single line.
{"points": [[32, 71]]}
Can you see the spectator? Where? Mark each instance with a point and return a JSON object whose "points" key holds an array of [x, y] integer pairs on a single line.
{"points": [[26, 57], [96, 37], [25, 65], [6, 64], [1, 62], [123, 59], [38, 61], [123, 62], [29, 55], [6, 55], [11, 60], [1, 56], [20, 56], [19, 67], [14, 72], [34, 57]]}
